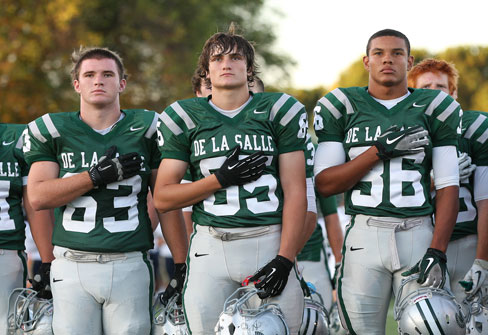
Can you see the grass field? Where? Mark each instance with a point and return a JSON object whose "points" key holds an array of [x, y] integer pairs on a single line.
{"points": [[391, 324]]}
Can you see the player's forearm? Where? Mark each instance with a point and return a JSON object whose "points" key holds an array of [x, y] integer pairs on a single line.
{"points": [[340, 178], [41, 224], [175, 196], [482, 248], [52, 193], [188, 223], [309, 227], [334, 235], [174, 233], [447, 206], [294, 212]]}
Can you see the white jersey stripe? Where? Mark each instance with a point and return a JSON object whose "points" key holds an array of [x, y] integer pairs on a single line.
{"points": [[152, 129], [291, 113], [482, 139], [345, 101], [36, 132], [436, 102], [449, 110], [278, 104], [474, 126], [180, 111], [324, 101], [50, 126], [170, 123]]}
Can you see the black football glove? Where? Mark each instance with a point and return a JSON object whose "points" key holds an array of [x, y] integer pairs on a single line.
{"points": [[41, 281], [395, 142], [431, 268], [175, 285], [272, 277], [110, 168], [239, 172]]}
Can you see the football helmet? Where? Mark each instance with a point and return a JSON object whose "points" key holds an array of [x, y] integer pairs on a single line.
{"points": [[240, 317], [168, 319], [315, 319], [335, 327], [478, 315], [428, 310], [28, 314]]}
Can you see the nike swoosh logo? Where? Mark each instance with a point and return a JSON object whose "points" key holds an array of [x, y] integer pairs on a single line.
{"points": [[200, 255], [105, 168], [354, 249], [56, 280], [7, 143], [388, 141], [135, 129], [430, 260], [415, 105], [273, 270], [230, 167], [261, 112]]}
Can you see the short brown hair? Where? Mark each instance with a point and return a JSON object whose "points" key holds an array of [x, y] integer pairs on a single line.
{"points": [[436, 66], [77, 57], [227, 42]]}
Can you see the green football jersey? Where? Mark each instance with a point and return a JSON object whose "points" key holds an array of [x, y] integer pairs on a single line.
{"points": [[473, 142], [398, 187], [192, 131], [110, 218], [13, 175]]}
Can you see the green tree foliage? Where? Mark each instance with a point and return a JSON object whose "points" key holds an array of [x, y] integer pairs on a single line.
{"points": [[471, 62], [160, 41]]}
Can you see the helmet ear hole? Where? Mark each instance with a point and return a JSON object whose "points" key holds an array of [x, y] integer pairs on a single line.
{"points": [[232, 329]]}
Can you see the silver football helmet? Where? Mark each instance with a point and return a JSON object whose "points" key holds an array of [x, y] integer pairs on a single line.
{"points": [[428, 310], [335, 327], [315, 317], [478, 315], [169, 319], [28, 314], [239, 317]]}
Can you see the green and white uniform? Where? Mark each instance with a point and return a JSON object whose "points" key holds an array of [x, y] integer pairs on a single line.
{"points": [[391, 206], [461, 251], [193, 131], [101, 238], [13, 176]]}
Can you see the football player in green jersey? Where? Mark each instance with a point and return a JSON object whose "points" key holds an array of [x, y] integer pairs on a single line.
{"points": [[95, 167], [378, 144], [13, 199], [467, 253], [245, 153]]}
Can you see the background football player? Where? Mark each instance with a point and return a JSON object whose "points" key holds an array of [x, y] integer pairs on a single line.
{"points": [[467, 252], [248, 213], [95, 166], [378, 144], [13, 199]]}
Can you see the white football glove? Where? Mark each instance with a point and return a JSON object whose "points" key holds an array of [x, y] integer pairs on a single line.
{"points": [[465, 166], [476, 278]]}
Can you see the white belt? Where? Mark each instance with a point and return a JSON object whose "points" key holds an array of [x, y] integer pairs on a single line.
{"points": [[396, 225], [90, 257], [226, 235]]}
